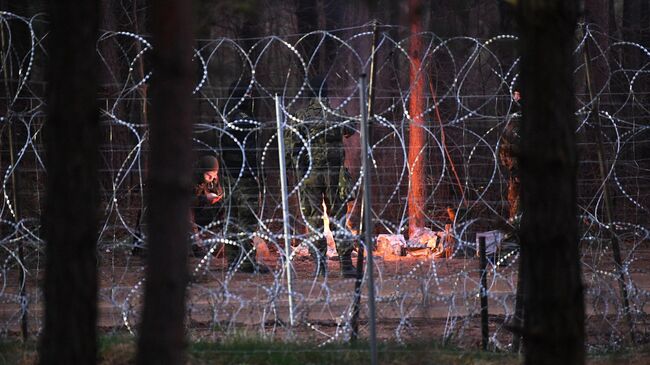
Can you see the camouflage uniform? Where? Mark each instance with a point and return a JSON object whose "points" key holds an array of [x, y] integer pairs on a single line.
{"points": [[244, 197], [509, 152], [329, 180], [205, 212]]}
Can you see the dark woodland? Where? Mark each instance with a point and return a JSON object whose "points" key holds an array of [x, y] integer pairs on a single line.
{"points": [[98, 161]]}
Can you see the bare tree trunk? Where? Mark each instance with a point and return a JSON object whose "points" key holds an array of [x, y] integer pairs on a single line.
{"points": [[70, 221], [553, 297], [162, 336], [417, 158]]}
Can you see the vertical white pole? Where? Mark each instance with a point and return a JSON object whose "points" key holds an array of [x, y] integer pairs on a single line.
{"points": [[285, 200], [367, 218]]}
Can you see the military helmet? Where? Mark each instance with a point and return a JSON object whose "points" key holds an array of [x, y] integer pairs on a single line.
{"points": [[208, 163]]}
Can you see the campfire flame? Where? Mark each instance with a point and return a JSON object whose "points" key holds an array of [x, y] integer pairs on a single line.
{"points": [[327, 231], [329, 236]]}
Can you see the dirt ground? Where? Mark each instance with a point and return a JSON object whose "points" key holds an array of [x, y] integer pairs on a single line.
{"points": [[419, 297]]}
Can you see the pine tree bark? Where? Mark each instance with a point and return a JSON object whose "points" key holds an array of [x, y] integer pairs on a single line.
{"points": [[70, 221], [553, 297], [162, 331]]}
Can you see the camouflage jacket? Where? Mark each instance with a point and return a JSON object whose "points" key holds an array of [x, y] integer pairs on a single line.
{"points": [[323, 132], [203, 188], [510, 145]]}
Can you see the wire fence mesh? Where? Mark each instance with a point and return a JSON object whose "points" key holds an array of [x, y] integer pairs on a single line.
{"points": [[426, 284]]}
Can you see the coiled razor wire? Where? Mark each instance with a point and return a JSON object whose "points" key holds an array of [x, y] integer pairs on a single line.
{"points": [[467, 106]]}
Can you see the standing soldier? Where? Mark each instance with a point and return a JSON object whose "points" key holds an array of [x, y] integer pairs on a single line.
{"points": [[239, 152], [328, 180]]}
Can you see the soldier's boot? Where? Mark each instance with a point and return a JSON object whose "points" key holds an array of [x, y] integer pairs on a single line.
{"points": [[320, 265], [347, 269]]}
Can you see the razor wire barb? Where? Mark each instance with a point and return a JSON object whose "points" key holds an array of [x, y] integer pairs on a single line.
{"points": [[469, 81]]}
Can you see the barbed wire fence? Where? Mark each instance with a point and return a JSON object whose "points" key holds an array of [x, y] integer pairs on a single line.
{"points": [[426, 294]]}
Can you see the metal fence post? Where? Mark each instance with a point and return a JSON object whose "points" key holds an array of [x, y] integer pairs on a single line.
{"points": [[285, 201], [367, 215]]}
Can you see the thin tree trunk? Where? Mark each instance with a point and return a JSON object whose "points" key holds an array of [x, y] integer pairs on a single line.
{"points": [[553, 297], [417, 158], [70, 221], [162, 336]]}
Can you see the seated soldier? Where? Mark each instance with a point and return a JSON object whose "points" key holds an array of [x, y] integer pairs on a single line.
{"points": [[207, 201]]}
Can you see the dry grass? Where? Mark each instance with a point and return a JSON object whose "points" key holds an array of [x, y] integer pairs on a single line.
{"points": [[119, 350]]}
